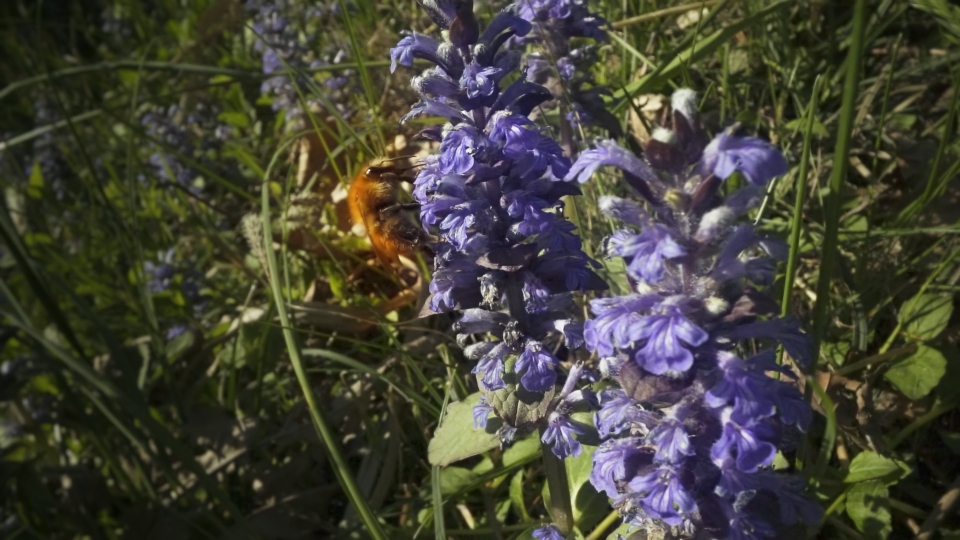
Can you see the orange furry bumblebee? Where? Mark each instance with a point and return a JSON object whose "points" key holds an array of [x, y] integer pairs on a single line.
{"points": [[374, 205]]}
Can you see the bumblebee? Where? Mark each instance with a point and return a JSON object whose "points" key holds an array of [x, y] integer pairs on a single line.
{"points": [[375, 208]]}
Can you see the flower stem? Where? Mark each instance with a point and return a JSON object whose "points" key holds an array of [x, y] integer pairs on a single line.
{"points": [[560, 508]]}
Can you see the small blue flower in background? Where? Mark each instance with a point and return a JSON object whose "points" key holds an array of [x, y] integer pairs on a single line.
{"points": [[181, 140], [162, 273], [506, 258], [548, 532], [288, 34], [692, 431]]}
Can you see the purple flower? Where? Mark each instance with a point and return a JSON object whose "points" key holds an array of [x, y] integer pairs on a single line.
{"points": [[618, 413], [750, 443], [668, 344], [460, 148], [559, 433], [538, 366], [608, 152], [547, 532], [661, 495], [747, 390], [647, 251], [666, 333], [616, 321], [613, 462], [756, 159], [413, 45], [672, 442], [481, 411]]}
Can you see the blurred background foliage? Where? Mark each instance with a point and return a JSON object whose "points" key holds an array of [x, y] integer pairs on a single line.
{"points": [[146, 387]]}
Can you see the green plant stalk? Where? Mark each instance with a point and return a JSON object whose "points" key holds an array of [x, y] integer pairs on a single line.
{"points": [[439, 526], [554, 469], [832, 203], [327, 436], [607, 522], [796, 222], [829, 432]]}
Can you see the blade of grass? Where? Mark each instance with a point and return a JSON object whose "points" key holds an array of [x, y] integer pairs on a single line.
{"points": [[796, 221], [408, 393], [338, 463], [832, 201], [169, 66], [705, 46]]}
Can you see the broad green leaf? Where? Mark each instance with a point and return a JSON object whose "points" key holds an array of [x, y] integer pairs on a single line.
{"points": [[919, 374], [453, 479], [868, 506], [589, 506], [521, 450], [924, 316], [516, 495], [456, 438], [872, 466], [952, 440]]}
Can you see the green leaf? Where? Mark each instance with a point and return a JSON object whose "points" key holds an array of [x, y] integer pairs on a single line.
{"points": [[453, 479], [456, 438], [515, 404], [819, 129], [35, 182], [920, 373], [521, 450], [589, 506], [237, 119], [924, 316], [516, 495], [872, 466], [952, 440], [868, 506]]}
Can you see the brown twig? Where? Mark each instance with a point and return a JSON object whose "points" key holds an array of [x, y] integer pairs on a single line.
{"points": [[943, 508]]}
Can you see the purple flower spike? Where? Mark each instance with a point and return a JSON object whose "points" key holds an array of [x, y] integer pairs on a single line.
{"points": [[689, 416], [756, 159]]}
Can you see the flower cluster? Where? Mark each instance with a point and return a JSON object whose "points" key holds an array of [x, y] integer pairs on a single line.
{"points": [[286, 51], [557, 26], [694, 422], [181, 140], [506, 257], [163, 273]]}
